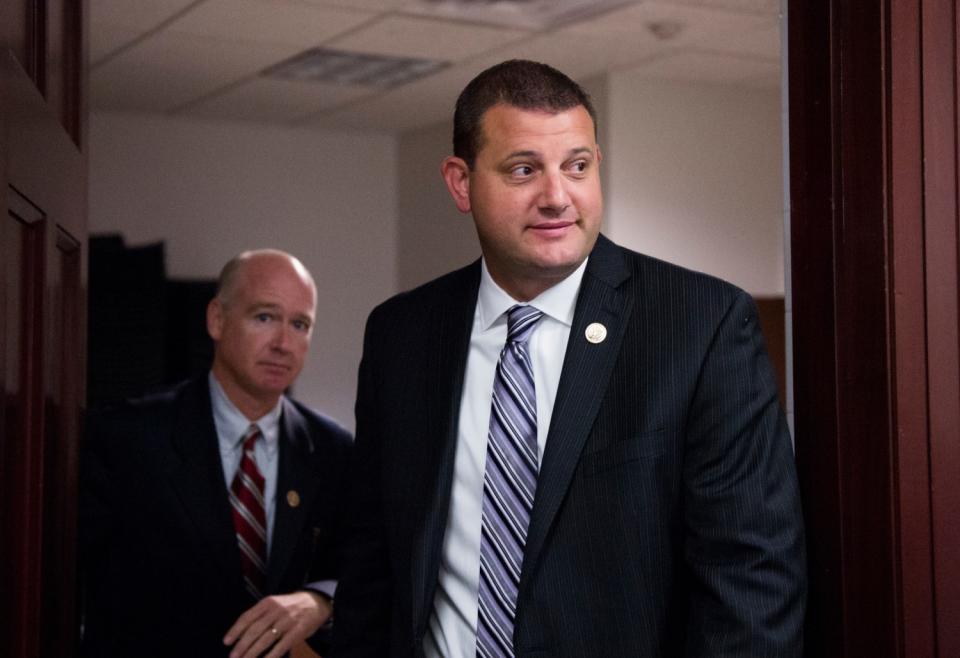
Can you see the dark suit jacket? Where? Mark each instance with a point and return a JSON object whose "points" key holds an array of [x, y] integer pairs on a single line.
{"points": [[666, 520], [160, 561]]}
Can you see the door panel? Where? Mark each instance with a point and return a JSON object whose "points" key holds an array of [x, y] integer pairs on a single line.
{"points": [[22, 444], [42, 306]]}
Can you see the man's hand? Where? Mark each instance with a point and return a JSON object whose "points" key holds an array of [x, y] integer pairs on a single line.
{"points": [[277, 623]]}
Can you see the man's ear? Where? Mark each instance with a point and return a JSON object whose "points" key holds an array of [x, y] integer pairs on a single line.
{"points": [[456, 174], [215, 318]]}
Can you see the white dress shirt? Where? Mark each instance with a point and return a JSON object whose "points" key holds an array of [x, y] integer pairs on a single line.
{"points": [[231, 425], [453, 623]]}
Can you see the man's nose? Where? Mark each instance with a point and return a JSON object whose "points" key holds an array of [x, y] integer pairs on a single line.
{"points": [[553, 194], [281, 337]]}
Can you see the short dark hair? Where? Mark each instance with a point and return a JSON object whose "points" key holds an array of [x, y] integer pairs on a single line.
{"points": [[517, 82]]}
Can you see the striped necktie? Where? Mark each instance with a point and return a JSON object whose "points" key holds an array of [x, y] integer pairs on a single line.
{"points": [[249, 517], [509, 483]]}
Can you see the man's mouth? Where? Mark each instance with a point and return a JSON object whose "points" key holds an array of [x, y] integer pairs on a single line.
{"points": [[553, 226]]}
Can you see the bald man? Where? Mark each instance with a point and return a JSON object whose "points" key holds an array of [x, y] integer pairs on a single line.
{"points": [[210, 512]]}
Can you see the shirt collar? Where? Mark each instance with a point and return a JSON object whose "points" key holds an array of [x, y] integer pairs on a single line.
{"points": [[558, 301], [232, 424]]}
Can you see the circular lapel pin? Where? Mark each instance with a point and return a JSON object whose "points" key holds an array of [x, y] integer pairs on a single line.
{"points": [[596, 332], [293, 498]]}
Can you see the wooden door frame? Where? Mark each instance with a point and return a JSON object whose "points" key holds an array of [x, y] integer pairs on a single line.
{"points": [[873, 194]]}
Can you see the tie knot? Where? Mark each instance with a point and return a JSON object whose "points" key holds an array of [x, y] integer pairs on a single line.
{"points": [[521, 319], [250, 437]]}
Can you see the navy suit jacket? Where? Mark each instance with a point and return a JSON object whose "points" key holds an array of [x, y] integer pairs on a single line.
{"points": [[666, 520], [160, 562]]}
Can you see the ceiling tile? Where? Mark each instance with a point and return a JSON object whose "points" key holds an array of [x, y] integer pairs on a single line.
{"points": [[579, 55], [206, 57], [425, 38], [693, 24], [106, 40], [768, 7], [266, 21], [419, 103], [168, 70], [278, 101], [531, 14], [136, 14], [153, 91], [762, 41], [373, 5], [432, 99], [375, 117]]}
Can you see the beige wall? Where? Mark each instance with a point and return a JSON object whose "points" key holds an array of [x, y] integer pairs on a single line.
{"points": [[210, 190], [693, 175], [433, 236]]}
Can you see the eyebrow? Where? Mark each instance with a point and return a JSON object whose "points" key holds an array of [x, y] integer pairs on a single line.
{"points": [[258, 306], [534, 154], [522, 154], [268, 306]]}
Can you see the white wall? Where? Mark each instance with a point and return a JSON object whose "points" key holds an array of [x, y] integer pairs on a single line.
{"points": [[210, 190], [693, 176], [433, 237]]}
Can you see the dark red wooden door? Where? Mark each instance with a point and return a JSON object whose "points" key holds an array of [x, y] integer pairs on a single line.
{"points": [[42, 292]]}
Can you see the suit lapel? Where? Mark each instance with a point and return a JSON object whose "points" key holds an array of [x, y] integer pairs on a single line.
{"points": [[583, 383], [453, 316], [294, 474], [196, 473]]}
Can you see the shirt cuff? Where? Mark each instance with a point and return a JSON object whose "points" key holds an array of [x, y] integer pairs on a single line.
{"points": [[325, 588]]}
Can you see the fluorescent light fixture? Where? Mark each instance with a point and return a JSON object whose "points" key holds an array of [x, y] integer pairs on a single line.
{"points": [[349, 68]]}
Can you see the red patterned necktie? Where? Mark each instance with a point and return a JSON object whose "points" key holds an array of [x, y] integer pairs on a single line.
{"points": [[249, 518]]}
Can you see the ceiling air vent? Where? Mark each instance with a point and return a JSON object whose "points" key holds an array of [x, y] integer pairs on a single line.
{"points": [[347, 68]]}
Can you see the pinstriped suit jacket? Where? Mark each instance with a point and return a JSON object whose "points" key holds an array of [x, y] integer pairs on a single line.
{"points": [[666, 520]]}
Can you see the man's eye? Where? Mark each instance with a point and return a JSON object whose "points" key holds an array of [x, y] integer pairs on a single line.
{"points": [[300, 325], [263, 317], [522, 171], [580, 165]]}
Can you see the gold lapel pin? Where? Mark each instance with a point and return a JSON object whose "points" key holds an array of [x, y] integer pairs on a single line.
{"points": [[293, 498], [596, 332]]}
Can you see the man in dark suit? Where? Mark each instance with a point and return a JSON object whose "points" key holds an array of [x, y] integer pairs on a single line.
{"points": [[210, 512], [568, 448]]}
